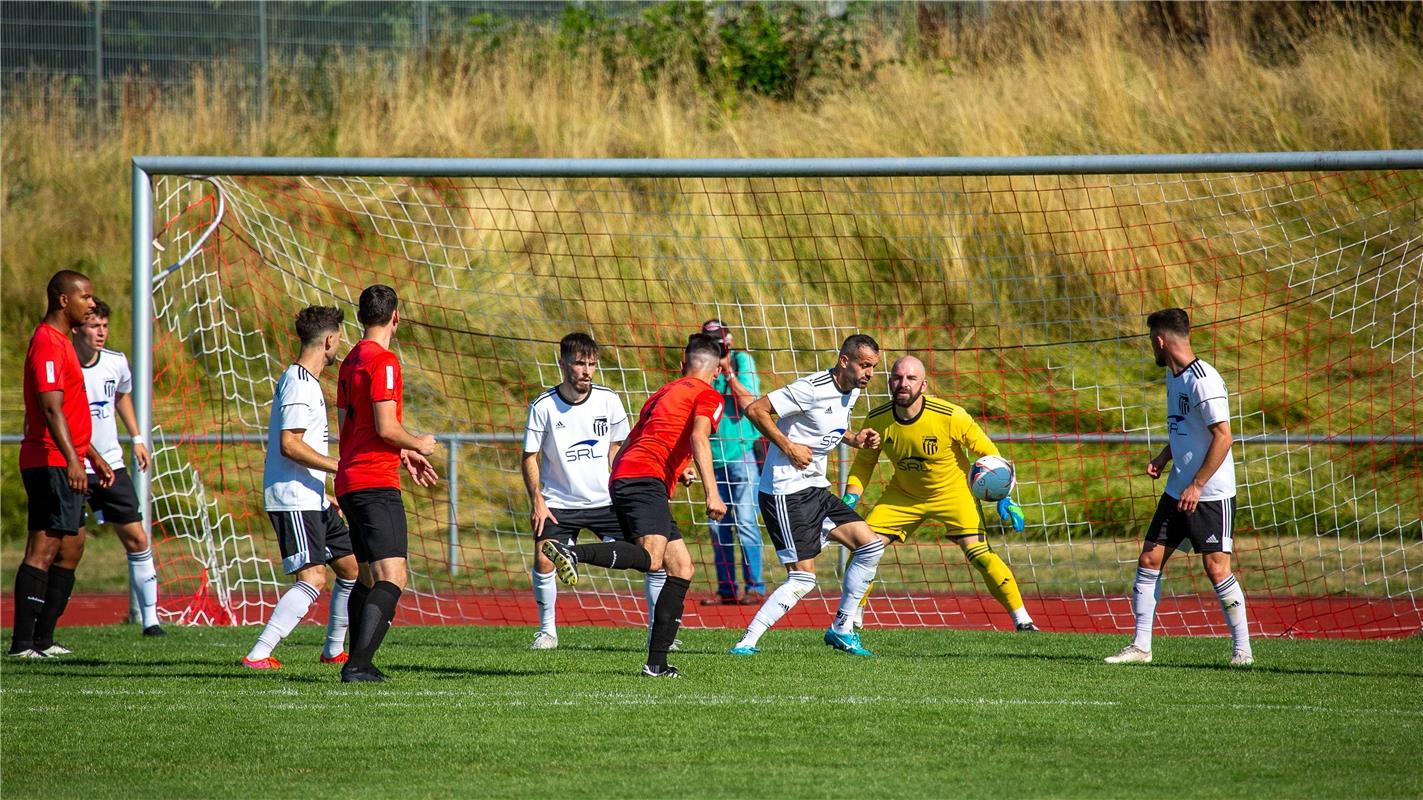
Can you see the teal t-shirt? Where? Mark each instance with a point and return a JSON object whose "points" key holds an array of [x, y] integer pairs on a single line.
{"points": [[735, 435]]}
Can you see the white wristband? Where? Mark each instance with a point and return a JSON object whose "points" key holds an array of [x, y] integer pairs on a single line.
{"points": [[136, 439]]}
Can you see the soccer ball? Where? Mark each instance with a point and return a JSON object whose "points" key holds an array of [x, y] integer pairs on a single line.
{"points": [[991, 478]]}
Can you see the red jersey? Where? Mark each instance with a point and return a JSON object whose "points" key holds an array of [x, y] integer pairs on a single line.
{"points": [[660, 445], [51, 365], [370, 374]]}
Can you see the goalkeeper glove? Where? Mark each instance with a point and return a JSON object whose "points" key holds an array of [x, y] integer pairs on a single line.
{"points": [[851, 498], [1011, 512]]}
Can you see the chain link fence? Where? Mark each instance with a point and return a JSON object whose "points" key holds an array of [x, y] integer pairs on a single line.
{"points": [[82, 52]]}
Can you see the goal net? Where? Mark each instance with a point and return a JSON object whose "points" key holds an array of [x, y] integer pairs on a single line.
{"points": [[1025, 296]]}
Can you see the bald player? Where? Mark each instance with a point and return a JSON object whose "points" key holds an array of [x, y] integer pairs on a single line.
{"points": [[931, 443]]}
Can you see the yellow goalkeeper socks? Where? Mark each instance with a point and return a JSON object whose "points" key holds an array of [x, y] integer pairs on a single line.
{"points": [[996, 574]]}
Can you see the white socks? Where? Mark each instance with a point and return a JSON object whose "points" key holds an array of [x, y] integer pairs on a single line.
{"points": [[652, 589], [797, 585], [1232, 604], [337, 616], [289, 611], [859, 574], [1143, 604], [546, 595], [144, 579]]}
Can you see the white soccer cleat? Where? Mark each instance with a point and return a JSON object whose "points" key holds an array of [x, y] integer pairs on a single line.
{"points": [[1131, 654], [31, 653], [1240, 658], [56, 649], [544, 640]]}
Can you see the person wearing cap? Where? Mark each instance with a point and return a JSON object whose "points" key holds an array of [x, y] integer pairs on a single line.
{"points": [[734, 459]]}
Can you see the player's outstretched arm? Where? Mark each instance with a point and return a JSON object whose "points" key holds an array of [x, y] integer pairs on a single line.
{"points": [[702, 461], [763, 415], [861, 470], [295, 448]]}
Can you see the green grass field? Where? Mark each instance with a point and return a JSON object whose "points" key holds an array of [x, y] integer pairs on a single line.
{"points": [[470, 712]]}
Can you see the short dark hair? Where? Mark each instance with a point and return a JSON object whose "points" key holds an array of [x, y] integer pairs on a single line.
{"points": [[576, 345], [62, 283], [376, 306], [702, 344], [101, 309], [853, 344], [1169, 320], [314, 322]]}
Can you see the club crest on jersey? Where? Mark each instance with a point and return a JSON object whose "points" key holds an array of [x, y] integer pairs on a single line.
{"points": [[109, 387], [931, 444], [1183, 404], [581, 451], [600, 426]]}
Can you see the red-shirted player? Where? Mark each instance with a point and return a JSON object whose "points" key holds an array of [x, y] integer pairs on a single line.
{"points": [[673, 428], [52, 453], [374, 445]]}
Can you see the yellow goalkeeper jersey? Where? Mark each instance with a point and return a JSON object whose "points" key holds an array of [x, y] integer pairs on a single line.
{"points": [[930, 453]]}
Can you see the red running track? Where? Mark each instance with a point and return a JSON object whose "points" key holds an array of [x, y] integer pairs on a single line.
{"points": [[1331, 617]]}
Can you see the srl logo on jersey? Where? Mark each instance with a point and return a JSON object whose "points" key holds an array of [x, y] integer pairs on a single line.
{"points": [[832, 438], [582, 451]]}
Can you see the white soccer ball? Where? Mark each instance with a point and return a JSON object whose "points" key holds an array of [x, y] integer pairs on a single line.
{"points": [[991, 478]]}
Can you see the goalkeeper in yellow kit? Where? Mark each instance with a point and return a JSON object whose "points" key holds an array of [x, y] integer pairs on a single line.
{"points": [[929, 440]]}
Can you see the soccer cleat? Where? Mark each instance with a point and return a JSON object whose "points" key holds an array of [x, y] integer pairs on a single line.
{"points": [[565, 563], [744, 650], [27, 653], [1240, 658], [846, 642], [371, 675], [1027, 627], [339, 658], [154, 630], [669, 671], [56, 649], [543, 640], [1131, 654], [261, 663]]}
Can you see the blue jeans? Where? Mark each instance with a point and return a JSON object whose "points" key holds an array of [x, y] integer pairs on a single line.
{"points": [[736, 480]]}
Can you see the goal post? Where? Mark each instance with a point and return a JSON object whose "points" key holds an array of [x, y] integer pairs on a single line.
{"points": [[1022, 282]]}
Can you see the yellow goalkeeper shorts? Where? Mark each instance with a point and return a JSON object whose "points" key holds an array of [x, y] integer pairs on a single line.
{"points": [[898, 514]]}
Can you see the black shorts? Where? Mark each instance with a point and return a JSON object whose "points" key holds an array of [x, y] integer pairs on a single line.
{"points": [[377, 520], [1208, 529], [116, 505], [53, 506], [801, 522], [602, 522], [310, 537], [643, 508]]}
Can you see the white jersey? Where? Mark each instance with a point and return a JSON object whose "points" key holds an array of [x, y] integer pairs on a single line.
{"points": [[1195, 400], [573, 441], [298, 404], [104, 380], [811, 411]]}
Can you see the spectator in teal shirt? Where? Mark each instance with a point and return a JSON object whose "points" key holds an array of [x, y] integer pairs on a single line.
{"points": [[734, 458]]}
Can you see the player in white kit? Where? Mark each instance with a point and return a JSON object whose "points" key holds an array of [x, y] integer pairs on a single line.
{"points": [[1198, 505], [804, 422], [310, 531], [573, 433], [109, 382]]}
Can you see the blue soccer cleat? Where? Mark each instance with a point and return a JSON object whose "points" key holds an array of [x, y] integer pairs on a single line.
{"points": [[848, 642], [744, 650]]}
